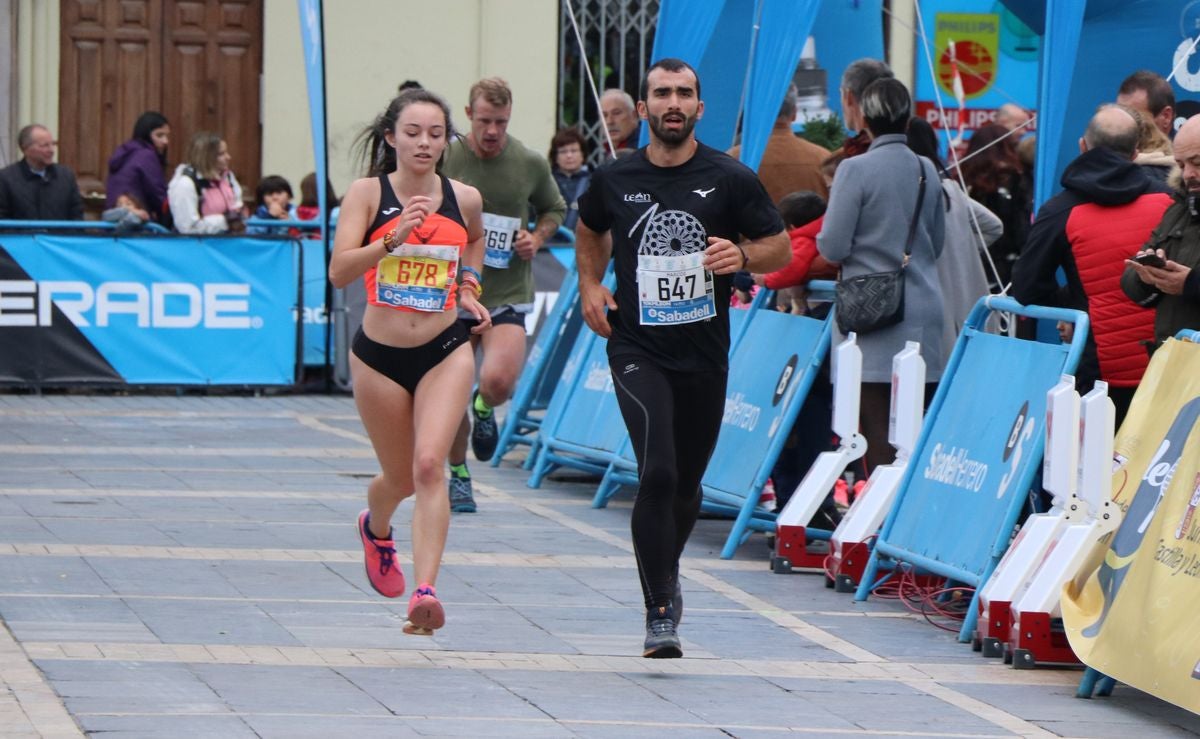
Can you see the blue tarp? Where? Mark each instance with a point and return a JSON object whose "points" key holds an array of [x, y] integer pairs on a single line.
{"points": [[715, 36], [784, 26], [684, 32], [1092, 45]]}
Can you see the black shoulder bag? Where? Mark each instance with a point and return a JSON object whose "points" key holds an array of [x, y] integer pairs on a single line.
{"points": [[870, 302]]}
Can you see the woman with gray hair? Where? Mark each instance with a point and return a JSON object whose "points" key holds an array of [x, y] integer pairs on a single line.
{"points": [[871, 207]]}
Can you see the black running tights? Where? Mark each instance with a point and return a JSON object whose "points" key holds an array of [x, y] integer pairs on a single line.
{"points": [[673, 420]]}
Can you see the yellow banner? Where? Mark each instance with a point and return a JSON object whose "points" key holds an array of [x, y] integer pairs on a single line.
{"points": [[1132, 616], [976, 40]]}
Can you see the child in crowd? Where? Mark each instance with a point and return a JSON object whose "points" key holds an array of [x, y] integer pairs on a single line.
{"points": [[804, 213], [273, 201], [744, 290], [310, 205], [127, 213]]}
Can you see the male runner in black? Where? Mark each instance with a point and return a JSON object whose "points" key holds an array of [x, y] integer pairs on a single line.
{"points": [[671, 215]]}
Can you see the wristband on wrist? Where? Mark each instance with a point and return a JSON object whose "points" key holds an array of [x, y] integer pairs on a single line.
{"points": [[389, 240], [467, 270], [474, 285], [745, 259]]}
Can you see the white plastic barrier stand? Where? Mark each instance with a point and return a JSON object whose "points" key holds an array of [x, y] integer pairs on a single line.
{"points": [[791, 539], [848, 544], [1089, 516], [1059, 469]]}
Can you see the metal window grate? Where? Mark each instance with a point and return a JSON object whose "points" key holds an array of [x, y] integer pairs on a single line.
{"points": [[619, 36]]}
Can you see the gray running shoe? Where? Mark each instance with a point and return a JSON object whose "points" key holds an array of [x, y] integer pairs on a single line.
{"points": [[461, 499], [484, 434], [662, 640]]}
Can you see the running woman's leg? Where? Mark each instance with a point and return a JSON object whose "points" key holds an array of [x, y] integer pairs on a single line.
{"points": [[437, 409], [386, 411]]}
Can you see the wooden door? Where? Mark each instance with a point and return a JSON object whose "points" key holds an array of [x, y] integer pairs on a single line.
{"points": [[198, 62], [110, 72], [212, 63]]}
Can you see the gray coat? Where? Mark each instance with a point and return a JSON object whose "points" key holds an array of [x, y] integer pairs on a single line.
{"points": [[870, 207], [960, 268]]}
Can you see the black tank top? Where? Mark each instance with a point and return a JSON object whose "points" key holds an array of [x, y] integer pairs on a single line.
{"points": [[390, 207]]}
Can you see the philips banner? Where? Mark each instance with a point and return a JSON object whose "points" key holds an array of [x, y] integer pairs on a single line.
{"points": [[180, 311], [1132, 616], [979, 56]]}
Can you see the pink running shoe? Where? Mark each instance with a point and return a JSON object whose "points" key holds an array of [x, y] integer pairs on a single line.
{"points": [[425, 612], [379, 558]]}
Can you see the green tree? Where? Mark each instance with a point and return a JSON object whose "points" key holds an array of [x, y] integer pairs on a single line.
{"points": [[828, 132]]}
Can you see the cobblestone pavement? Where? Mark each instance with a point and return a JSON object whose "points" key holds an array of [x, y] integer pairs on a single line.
{"points": [[188, 566]]}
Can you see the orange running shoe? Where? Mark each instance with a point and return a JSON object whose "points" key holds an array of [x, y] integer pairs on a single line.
{"points": [[425, 613], [379, 558]]}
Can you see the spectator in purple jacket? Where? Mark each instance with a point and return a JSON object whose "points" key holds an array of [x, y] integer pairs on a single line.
{"points": [[136, 167]]}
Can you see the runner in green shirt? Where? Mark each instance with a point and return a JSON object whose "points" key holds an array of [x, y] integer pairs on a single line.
{"points": [[513, 181]]}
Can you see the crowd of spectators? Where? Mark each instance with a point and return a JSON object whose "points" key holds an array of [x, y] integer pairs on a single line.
{"points": [[986, 197], [203, 195]]}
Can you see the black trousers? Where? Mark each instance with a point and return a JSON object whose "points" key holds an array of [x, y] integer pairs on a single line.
{"points": [[673, 420]]}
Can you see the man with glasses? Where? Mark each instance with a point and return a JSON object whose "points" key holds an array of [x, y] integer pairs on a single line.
{"points": [[35, 188]]}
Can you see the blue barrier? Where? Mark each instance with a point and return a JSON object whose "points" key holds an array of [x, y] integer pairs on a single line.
{"points": [[543, 371], [583, 427], [145, 310], [313, 315], [31, 226], [978, 454], [770, 374]]}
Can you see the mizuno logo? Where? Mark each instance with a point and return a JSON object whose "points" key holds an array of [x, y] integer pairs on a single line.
{"points": [[704, 193], [640, 197], [390, 211]]}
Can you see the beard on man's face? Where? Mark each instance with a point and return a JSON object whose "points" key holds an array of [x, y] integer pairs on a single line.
{"points": [[672, 136]]}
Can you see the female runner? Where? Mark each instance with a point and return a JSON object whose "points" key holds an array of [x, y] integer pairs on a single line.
{"points": [[406, 230]]}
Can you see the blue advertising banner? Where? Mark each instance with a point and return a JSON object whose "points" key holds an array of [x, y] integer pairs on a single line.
{"points": [[209, 311], [313, 315], [994, 54], [1089, 47], [987, 435], [595, 419], [584, 420], [979, 452], [770, 372]]}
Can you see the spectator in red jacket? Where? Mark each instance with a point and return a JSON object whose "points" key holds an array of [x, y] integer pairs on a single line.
{"points": [[1106, 211], [803, 212]]}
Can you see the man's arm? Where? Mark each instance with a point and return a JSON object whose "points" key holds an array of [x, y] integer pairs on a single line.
{"points": [[723, 257], [548, 204], [1034, 280], [592, 253]]}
